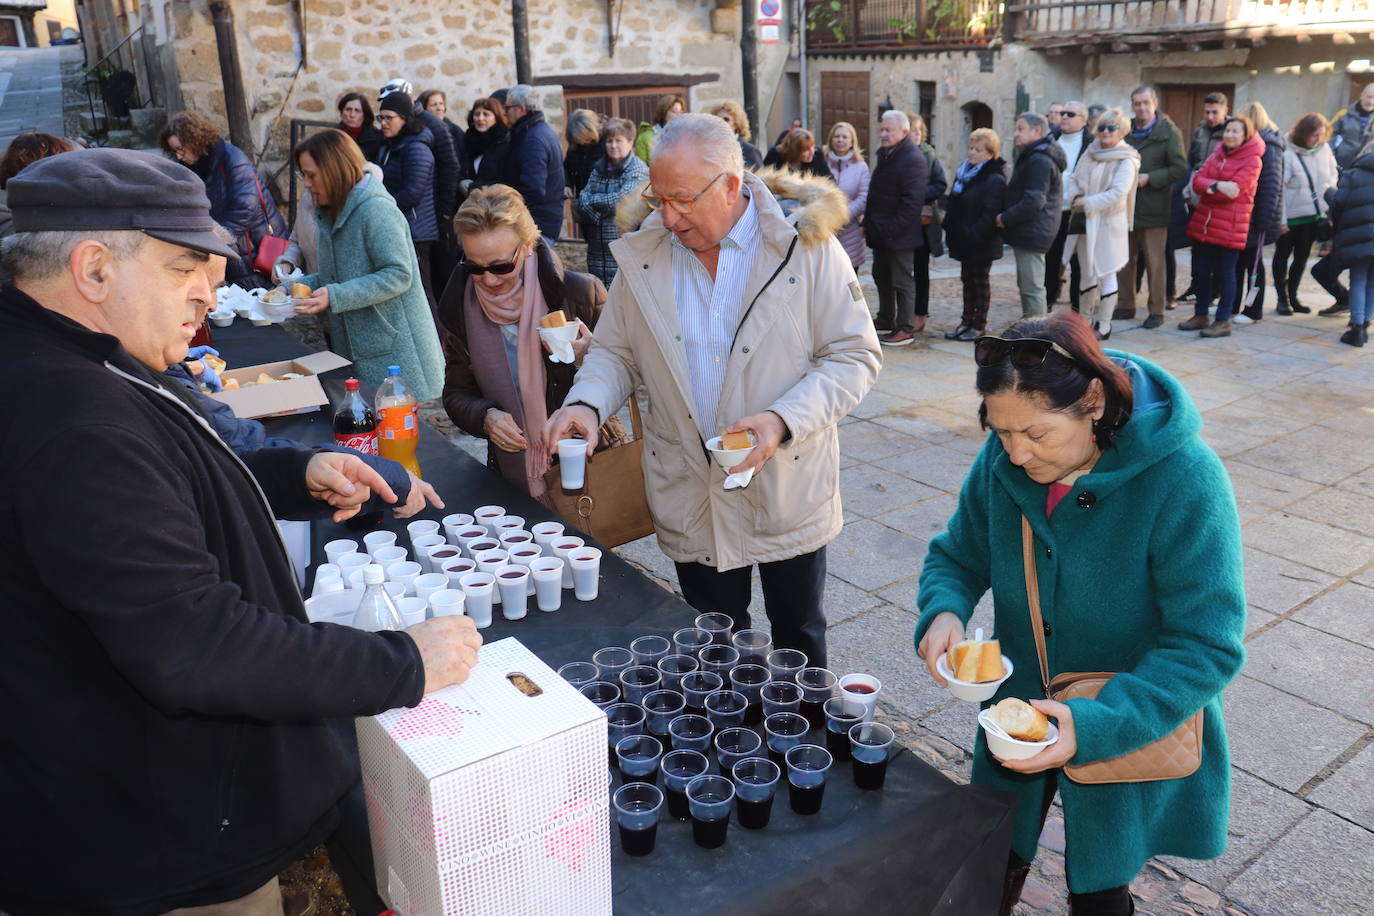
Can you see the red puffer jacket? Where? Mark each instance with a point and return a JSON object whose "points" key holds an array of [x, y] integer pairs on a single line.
{"points": [[1218, 219]]}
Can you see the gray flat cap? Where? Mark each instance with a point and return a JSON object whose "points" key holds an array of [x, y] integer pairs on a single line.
{"points": [[114, 189]]}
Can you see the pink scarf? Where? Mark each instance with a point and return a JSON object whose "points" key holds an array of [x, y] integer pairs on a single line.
{"points": [[523, 306]]}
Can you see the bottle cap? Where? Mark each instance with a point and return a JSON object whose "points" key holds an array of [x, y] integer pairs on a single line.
{"points": [[393, 370], [351, 384], [373, 574]]}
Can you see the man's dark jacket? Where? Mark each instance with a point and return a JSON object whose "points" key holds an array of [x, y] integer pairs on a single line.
{"points": [[168, 741], [896, 194], [1030, 219], [1163, 161], [534, 167], [448, 163]]}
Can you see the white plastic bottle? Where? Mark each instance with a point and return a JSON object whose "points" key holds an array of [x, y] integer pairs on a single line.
{"points": [[376, 611]]}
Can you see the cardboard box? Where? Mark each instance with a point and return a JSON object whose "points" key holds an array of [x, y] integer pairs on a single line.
{"points": [[485, 800], [297, 395]]}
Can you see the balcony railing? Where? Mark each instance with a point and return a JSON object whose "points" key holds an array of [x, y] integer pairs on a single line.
{"points": [[1067, 22], [872, 25]]}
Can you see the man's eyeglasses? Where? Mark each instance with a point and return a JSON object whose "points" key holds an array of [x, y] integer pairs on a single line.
{"points": [[682, 205], [1107, 128], [1072, 114], [1023, 352], [500, 268]]}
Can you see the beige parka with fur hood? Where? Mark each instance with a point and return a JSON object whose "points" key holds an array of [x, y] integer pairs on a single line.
{"points": [[805, 349]]}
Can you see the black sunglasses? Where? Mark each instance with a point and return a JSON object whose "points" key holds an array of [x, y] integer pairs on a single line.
{"points": [[1107, 128], [500, 268], [1023, 352]]}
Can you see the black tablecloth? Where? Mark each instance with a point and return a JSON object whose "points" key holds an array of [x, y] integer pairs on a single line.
{"points": [[921, 845]]}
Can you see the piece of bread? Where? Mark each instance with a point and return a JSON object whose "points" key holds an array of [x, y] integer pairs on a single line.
{"points": [[732, 441], [263, 379], [300, 291], [990, 662], [1020, 719], [214, 362], [554, 319], [231, 384], [977, 661]]}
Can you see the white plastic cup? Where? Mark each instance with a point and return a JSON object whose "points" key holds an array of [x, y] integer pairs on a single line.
{"points": [[511, 581], [486, 516], [354, 577], [572, 461], [509, 523], [586, 572], [385, 556], [326, 584], [515, 537], [469, 534], [489, 561], [351, 561], [328, 571], [405, 572], [412, 610], [547, 573], [342, 547], [424, 544], [545, 533], [561, 548], [375, 539], [482, 545], [440, 554], [419, 528], [457, 568], [453, 522], [427, 584], [524, 555], [447, 602], [857, 702], [477, 590]]}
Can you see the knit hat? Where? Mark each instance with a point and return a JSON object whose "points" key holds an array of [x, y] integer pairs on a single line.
{"points": [[398, 102]]}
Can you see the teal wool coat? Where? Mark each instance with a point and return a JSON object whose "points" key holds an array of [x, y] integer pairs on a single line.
{"points": [[378, 313], [1140, 573]]}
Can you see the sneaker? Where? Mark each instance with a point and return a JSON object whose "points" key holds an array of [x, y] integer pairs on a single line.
{"points": [[1335, 308], [1152, 322], [897, 339], [1196, 323], [1187, 295], [1243, 318], [967, 334], [1216, 329]]}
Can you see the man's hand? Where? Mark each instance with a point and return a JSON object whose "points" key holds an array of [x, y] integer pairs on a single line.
{"points": [[420, 493], [768, 430], [318, 301], [944, 632], [566, 421], [345, 482], [1058, 753], [448, 649], [581, 343], [999, 222], [503, 431], [1142, 181]]}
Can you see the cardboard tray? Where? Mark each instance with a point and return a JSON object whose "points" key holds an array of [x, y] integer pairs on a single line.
{"points": [[298, 395]]}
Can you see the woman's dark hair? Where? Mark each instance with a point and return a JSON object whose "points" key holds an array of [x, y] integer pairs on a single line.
{"points": [[491, 105], [794, 144], [1058, 382], [28, 148], [1309, 124], [360, 98]]}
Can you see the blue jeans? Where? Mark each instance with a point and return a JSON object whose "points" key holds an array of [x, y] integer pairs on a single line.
{"points": [[1214, 277], [1361, 291]]}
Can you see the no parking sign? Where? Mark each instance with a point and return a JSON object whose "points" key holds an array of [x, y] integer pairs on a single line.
{"points": [[770, 21]]}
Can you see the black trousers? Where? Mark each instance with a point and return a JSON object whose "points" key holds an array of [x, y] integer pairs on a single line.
{"points": [[1053, 258], [921, 274], [793, 598], [423, 254], [1297, 243], [1250, 274], [1327, 272]]}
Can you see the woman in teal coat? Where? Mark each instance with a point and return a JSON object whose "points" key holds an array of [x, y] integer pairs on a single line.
{"points": [[1138, 550], [367, 278]]}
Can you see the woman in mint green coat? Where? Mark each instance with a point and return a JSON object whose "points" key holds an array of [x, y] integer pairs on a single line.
{"points": [[1138, 551], [367, 277]]}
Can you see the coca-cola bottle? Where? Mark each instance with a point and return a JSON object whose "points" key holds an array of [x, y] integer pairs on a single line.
{"points": [[355, 423]]}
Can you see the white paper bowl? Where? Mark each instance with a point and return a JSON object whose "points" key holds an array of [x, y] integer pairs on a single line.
{"points": [[1010, 748], [222, 319], [726, 458], [968, 690]]}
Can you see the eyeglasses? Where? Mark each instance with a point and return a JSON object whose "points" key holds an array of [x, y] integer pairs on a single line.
{"points": [[1107, 128], [680, 204], [1072, 114], [1023, 352], [387, 118], [500, 268]]}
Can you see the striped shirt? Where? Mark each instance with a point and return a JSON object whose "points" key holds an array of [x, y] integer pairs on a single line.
{"points": [[710, 311]]}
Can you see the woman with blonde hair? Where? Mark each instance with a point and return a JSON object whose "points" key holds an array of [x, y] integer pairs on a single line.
{"points": [[1102, 188], [584, 148], [1309, 169], [732, 113], [971, 232], [498, 385], [367, 278], [846, 163]]}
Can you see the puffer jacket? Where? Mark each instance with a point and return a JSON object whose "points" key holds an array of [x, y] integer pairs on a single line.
{"points": [[971, 232], [1300, 198], [805, 349], [447, 162], [596, 204], [1351, 129], [896, 194], [1218, 219], [238, 201], [852, 175], [1351, 205], [1031, 218], [1266, 217], [408, 173], [533, 165]]}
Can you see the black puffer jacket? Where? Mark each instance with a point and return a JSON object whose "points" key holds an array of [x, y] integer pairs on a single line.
{"points": [[896, 194], [971, 232], [168, 688], [446, 164], [1031, 216], [1266, 218], [1352, 212]]}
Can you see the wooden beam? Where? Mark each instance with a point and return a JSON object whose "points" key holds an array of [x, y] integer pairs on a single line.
{"points": [[1342, 38]]}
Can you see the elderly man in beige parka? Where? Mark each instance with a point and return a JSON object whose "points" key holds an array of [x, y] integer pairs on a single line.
{"points": [[732, 315]]}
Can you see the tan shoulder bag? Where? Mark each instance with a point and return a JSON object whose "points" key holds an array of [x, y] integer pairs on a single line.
{"points": [[1176, 755]]}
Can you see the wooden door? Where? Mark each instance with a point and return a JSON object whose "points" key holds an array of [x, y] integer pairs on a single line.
{"points": [[844, 97], [1182, 102], [636, 104]]}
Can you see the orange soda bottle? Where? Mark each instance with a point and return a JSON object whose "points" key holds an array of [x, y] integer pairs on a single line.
{"points": [[398, 421]]}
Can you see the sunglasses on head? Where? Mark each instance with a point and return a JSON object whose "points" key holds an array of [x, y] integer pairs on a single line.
{"points": [[500, 268], [1107, 128], [1022, 352]]}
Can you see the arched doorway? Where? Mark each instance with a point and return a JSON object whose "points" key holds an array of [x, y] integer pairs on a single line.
{"points": [[976, 115]]}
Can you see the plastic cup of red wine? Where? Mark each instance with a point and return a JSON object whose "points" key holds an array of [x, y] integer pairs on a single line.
{"points": [[691, 733], [838, 722], [817, 685], [750, 680], [637, 809], [726, 708], [781, 696], [638, 757], [753, 646], [807, 765], [871, 745], [756, 779], [785, 730], [697, 685], [678, 769], [623, 720], [647, 650], [661, 707], [709, 799], [786, 664], [672, 668], [736, 744]]}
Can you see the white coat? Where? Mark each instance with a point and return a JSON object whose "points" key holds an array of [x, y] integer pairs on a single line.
{"points": [[1105, 180], [1297, 194]]}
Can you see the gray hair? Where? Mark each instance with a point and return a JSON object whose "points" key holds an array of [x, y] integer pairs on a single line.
{"points": [[1035, 121], [523, 97], [39, 256], [1144, 88], [1076, 105], [899, 116], [712, 138]]}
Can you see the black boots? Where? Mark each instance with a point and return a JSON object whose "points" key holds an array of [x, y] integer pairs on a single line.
{"points": [[1357, 335]]}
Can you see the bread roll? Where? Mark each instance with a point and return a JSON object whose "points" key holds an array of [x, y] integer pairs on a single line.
{"points": [[554, 320], [990, 661], [214, 362], [977, 661], [732, 441], [1020, 719], [300, 291]]}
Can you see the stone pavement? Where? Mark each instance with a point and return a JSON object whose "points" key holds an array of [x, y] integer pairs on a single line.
{"points": [[1291, 411], [31, 89]]}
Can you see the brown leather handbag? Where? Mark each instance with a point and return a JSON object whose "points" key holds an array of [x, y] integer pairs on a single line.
{"points": [[612, 507], [1176, 755]]}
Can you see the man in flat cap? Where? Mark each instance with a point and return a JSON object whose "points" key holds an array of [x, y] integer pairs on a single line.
{"points": [[171, 739]]}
